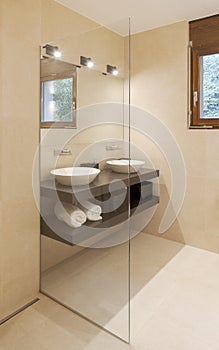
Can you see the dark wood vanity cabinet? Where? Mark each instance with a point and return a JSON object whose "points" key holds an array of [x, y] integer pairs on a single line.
{"points": [[136, 189]]}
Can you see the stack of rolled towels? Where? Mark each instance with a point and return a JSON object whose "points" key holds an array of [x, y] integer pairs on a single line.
{"points": [[74, 216], [92, 211]]}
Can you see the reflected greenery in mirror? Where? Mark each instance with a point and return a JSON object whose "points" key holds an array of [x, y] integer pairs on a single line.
{"points": [[58, 93]]}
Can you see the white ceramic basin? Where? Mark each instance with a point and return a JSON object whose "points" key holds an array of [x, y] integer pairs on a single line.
{"points": [[75, 176], [122, 165]]}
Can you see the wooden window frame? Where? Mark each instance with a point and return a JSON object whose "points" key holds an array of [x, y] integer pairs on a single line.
{"points": [[204, 40], [56, 76]]}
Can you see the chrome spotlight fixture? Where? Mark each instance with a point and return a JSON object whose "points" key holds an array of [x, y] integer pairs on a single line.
{"points": [[52, 50], [112, 69], [86, 61]]}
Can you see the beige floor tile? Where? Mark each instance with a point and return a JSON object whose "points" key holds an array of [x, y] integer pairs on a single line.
{"points": [[149, 255], [90, 336], [194, 306], [160, 334], [10, 332], [147, 302], [55, 337], [107, 342], [175, 305], [65, 330], [192, 301], [31, 319], [46, 306], [27, 342], [95, 281]]}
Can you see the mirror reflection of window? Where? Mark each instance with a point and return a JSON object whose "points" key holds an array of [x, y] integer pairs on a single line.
{"points": [[58, 93], [57, 100]]}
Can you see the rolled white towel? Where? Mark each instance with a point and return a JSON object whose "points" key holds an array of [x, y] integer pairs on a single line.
{"points": [[92, 211], [70, 214], [94, 208], [92, 216]]}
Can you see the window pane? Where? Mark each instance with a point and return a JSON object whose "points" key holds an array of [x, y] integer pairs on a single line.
{"points": [[209, 99], [57, 101]]}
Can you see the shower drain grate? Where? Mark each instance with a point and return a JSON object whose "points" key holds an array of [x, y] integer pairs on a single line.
{"points": [[7, 318]]}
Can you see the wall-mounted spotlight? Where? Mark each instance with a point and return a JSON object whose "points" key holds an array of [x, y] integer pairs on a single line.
{"points": [[86, 61], [52, 50], [112, 69]]}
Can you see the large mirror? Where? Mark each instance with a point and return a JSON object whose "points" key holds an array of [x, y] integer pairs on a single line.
{"points": [[80, 71], [83, 95]]}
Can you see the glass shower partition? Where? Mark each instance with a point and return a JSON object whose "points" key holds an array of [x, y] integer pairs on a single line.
{"points": [[84, 176]]}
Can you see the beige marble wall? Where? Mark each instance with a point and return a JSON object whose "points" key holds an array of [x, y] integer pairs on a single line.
{"points": [[58, 22], [19, 111], [159, 86], [24, 26]]}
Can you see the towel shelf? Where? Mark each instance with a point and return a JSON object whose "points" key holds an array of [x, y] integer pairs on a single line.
{"points": [[141, 198]]}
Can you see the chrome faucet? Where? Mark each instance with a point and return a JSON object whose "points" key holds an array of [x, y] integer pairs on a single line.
{"points": [[62, 152]]}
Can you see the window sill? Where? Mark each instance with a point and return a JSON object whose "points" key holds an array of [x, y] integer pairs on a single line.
{"points": [[203, 127]]}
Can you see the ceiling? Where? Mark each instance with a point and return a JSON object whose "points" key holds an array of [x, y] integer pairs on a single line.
{"points": [[144, 14]]}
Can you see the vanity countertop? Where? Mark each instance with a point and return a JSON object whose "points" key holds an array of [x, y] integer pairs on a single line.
{"points": [[101, 184]]}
